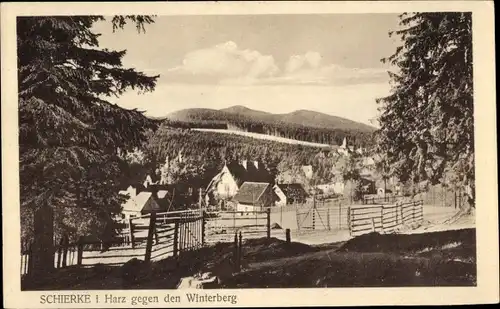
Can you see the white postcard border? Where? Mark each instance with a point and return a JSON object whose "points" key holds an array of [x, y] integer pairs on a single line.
{"points": [[487, 290]]}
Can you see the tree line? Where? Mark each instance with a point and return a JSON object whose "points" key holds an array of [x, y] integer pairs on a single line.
{"points": [[280, 129]]}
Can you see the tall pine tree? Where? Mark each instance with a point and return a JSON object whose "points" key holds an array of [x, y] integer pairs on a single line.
{"points": [[427, 124], [68, 130]]}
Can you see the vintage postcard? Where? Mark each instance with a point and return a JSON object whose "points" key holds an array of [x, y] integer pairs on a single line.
{"points": [[228, 154]]}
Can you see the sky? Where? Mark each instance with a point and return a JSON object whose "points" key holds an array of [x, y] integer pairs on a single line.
{"points": [[276, 63]]}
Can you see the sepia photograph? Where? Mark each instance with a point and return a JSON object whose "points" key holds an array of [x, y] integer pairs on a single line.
{"points": [[246, 151]]}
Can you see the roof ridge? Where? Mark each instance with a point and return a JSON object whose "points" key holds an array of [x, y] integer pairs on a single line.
{"points": [[257, 182]]}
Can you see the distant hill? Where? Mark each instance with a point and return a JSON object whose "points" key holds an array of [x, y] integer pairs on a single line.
{"points": [[305, 118], [243, 110], [321, 120], [303, 125]]}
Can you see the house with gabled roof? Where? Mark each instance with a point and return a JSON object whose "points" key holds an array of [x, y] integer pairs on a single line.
{"points": [[140, 204], [227, 182], [255, 196]]}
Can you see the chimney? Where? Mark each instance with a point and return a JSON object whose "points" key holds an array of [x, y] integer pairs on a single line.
{"points": [[256, 164], [244, 163]]}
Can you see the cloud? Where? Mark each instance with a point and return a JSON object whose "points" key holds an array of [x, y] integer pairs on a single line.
{"points": [[308, 69], [310, 60], [226, 61], [227, 64]]}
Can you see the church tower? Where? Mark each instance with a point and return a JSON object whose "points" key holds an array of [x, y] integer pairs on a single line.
{"points": [[344, 143], [164, 171]]}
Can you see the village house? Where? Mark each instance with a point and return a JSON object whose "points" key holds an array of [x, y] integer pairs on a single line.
{"points": [[287, 194], [308, 171], [175, 196], [346, 149], [141, 204], [255, 196], [227, 182], [167, 196]]}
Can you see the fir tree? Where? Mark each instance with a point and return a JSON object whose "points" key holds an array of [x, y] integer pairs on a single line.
{"points": [[68, 130], [427, 124]]}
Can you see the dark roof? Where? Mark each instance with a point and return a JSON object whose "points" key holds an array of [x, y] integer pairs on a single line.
{"points": [[238, 172], [366, 180], [251, 192], [249, 174], [155, 177], [293, 190]]}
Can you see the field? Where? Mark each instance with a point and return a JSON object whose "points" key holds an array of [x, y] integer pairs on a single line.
{"points": [[265, 136]]}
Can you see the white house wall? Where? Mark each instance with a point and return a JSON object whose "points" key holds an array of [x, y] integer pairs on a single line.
{"points": [[244, 207], [226, 187], [282, 197]]}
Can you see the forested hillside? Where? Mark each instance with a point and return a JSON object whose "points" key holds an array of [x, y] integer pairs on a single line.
{"points": [[300, 125], [209, 150]]}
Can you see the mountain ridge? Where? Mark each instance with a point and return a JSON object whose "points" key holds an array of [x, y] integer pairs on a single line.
{"points": [[302, 117]]}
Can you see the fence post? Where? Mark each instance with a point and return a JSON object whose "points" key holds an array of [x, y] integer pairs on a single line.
{"points": [[235, 252], [382, 218], [281, 215], [328, 218], [268, 223], [314, 218], [349, 220], [340, 216], [373, 224], [413, 212], [149, 242], [397, 217], [240, 252], [203, 223], [79, 256], [288, 238], [176, 238], [131, 232], [421, 211]]}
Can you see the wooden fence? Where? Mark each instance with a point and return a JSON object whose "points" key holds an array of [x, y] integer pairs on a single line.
{"points": [[323, 215], [383, 218], [221, 225], [156, 236], [173, 233]]}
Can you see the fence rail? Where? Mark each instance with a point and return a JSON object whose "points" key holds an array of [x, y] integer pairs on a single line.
{"points": [[154, 237], [383, 218], [376, 199]]}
